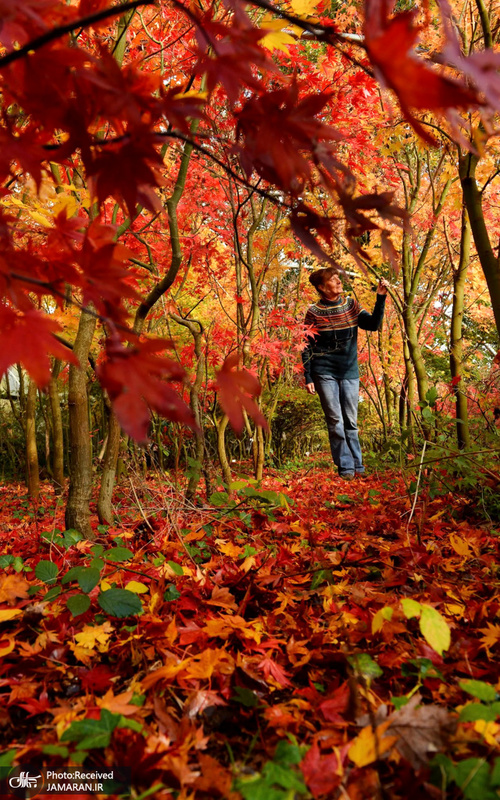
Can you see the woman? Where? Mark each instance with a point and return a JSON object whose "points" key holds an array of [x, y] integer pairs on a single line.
{"points": [[331, 363]]}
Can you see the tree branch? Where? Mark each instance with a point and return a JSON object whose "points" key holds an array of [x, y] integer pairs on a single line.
{"points": [[83, 22]]}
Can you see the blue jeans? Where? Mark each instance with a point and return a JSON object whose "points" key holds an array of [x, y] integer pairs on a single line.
{"points": [[339, 400]]}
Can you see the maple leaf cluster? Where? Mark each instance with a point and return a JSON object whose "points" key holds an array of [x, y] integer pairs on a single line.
{"points": [[71, 108]]}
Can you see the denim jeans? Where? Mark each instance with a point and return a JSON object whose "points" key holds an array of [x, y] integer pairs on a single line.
{"points": [[339, 400]]}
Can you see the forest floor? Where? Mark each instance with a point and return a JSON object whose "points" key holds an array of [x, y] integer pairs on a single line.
{"points": [[312, 638]]}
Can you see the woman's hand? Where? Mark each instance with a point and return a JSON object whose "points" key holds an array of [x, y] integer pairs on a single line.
{"points": [[382, 286], [310, 388]]}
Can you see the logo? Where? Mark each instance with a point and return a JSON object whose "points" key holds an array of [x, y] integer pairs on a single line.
{"points": [[26, 781]]}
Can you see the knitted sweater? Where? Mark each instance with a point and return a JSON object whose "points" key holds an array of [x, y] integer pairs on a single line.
{"points": [[333, 350]]}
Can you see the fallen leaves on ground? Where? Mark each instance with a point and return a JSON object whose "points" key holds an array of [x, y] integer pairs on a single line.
{"points": [[301, 642]]}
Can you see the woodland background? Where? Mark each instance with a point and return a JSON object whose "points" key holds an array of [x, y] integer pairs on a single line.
{"points": [[183, 577]]}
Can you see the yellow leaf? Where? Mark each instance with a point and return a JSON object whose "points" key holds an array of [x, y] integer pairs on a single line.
{"points": [[12, 587], [155, 600], [491, 636], [9, 613], [171, 632], [93, 636], [195, 536], [278, 40], [455, 609], [6, 646], [489, 730], [210, 661], [229, 549], [105, 585], [221, 596], [170, 670], [411, 608], [224, 625], [66, 203], [118, 704], [460, 546], [248, 563], [41, 218], [191, 93], [304, 7], [434, 629], [369, 746], [136, 587], [380, 617]]}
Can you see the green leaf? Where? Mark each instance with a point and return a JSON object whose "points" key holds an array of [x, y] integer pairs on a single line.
{"points": [[283, 776], [219, 499], [97, 563], [175, 567], [6, 760], [399, 702], [118, 554], [245, 696], [6, 561], [473, 777], [78, 604], [476, 711], [495, 773], [171, 593], [97, 549], [411, 608], [120, 602], [71, 575], [434, 629], [71, 537], [427, 414], [288, 753], [18, 564], [431, 395], [88, 578], [365, 665], [479, 689], [55, 591], [46, 571], [92, 733], [55, 750]]}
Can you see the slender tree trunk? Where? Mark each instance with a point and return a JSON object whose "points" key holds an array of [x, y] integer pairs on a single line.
{"points": [[57, 431], [409, 391], [456, 342], [80, 464], [161, 288], [104, 508], [32, 470], [473, 200], [259, 466], [196, 330], [221, 450]]}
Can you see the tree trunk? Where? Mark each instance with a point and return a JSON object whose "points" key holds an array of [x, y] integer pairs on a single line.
{"points": [[456, 344], [474, 203], [32, 471], [221, 450], [57, 431], [196, 330], [104, 509], [80, 462]]}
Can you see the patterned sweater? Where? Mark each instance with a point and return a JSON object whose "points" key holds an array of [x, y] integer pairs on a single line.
{"points": [[333, 350]]}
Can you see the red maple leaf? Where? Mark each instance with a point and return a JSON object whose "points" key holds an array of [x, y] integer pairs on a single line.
{"points": [[390, 43], [136, 379], [236, 390], [27, 339], [320, 771]]}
